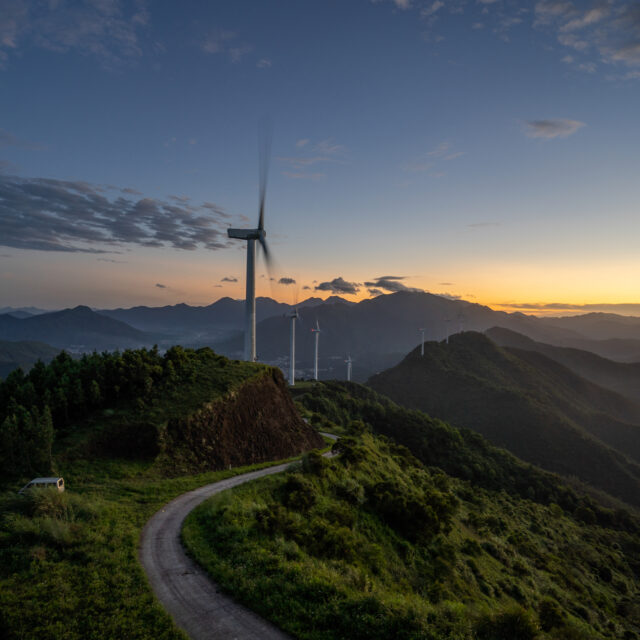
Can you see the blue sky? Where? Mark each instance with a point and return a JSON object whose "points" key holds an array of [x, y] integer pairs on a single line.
{"points": [[488, 150]]}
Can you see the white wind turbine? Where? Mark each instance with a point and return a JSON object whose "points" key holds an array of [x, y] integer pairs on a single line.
{"points": [[251, 235], [422, 347], [447, 320], [349, 362], [293, 316], [316, 333]]}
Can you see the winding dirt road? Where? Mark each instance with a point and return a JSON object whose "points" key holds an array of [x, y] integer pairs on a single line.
{"points": [[184, 589]]}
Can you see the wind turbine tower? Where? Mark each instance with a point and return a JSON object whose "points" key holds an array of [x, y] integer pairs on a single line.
{"points": [[251, 235], [316, 332], [292, 347], [447, 320], [349, 362], [422, 348]]}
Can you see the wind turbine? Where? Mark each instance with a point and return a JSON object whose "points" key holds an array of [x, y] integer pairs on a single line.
{"points": [[447, 320], [317, 332], [422, 349], [292, 347], [251, 235], [349, 362]]}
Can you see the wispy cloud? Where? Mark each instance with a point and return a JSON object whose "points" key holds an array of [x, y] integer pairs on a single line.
{"points": [[326, 151], [109, 30], [228, 279], [226, 42], [8, 139], [608, 30], [302, 175], [264, 63], [554, 128], [432, 159], [75, 216], [161, 286], [623, 308], [286, 281]]}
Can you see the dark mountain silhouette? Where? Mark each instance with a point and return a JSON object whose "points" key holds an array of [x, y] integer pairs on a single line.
{"points": [[599, 326], [24, 355], [22, 312], [78, 329], [204, 324], [379, 331], [621, 377], [527, 403]]}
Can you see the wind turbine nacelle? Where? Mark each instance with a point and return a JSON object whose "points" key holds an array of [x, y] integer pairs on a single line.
{"points": [[246, 234]]}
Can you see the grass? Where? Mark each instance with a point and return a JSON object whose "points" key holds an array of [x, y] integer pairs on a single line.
{"points": [[68, 562], [372, 544]]}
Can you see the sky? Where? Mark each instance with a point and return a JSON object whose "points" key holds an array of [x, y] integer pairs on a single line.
{"points": [[488, 150]]}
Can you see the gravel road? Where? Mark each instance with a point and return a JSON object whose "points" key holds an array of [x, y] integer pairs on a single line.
{"points": [[183, 588]]}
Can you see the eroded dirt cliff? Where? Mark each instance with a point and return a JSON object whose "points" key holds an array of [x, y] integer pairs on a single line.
{"points": [[256, 422]]}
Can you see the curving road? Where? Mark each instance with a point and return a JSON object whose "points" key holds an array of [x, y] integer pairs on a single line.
{"points": [[183, 588]]}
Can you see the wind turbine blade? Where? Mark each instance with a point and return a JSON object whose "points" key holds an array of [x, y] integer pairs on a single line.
{"points": [[265, 155], [266, 252]]}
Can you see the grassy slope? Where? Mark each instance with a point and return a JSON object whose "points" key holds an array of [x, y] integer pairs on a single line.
{"points": [[68, 562], [374, 545]]}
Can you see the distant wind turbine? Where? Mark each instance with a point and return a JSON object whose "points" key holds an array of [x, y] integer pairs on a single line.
{"points": [[447, 320], [349, 362], [317, 332], [293, 316], [251, 235], [422, 349]]}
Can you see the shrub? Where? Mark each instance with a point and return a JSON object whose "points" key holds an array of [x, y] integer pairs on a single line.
{"points": [[517, 624], [298, 493], [550, 614]]}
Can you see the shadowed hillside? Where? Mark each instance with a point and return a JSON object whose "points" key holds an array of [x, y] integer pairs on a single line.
{"points": [[527, 403], [621, 377]]}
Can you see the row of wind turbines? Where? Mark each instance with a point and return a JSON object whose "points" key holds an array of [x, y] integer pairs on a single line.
{"points": [[259, 235]]}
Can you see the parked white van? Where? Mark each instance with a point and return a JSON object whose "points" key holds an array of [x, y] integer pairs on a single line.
{"points": [[44, 483]]}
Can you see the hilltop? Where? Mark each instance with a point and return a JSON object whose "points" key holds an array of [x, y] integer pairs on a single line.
{"points": [[192, 410], [529, 404]]}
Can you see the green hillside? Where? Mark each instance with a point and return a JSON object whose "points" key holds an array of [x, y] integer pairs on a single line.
{"points": [[373, 544], [527, 403]]}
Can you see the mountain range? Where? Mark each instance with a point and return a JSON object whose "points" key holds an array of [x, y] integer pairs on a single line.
{"points": [[79, 329], [377, 332]]}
